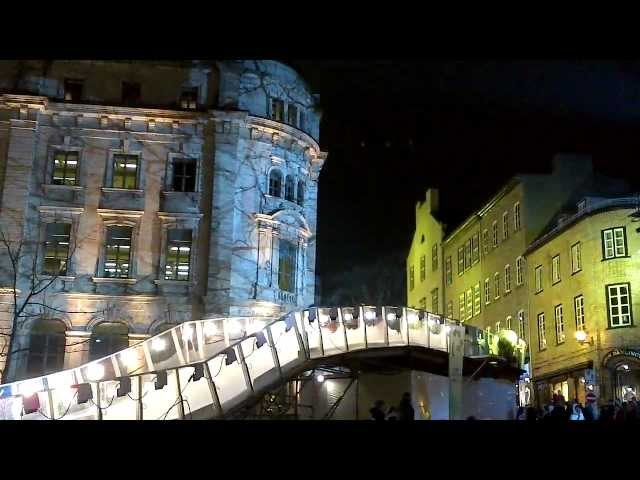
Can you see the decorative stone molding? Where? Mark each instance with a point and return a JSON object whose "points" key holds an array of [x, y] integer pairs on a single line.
{"points": [[127, 123], [127, 281], [111, 213]]}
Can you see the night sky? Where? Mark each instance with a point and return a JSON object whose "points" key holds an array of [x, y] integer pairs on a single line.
{"points": [[392, 129]]}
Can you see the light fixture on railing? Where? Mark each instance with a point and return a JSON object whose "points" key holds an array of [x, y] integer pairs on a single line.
{"points": [[230, 356], [370, 315], [412, 318], [447, 329], [320, 378], [85, 393], [161, 380], [391, 316], [158, 344], [347, 317], [260, 339], [124, 387], [210, 329], [95, 372], [198, 371], [234, 328]]}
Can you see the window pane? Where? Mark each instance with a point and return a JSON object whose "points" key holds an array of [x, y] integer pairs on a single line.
{"points": [[56, 248], [178, 255], [117, 251], [287, 266], [125, 171]]}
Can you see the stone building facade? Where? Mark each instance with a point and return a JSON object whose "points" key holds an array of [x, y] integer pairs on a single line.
{"points": [[478, 272], [144, 194]]}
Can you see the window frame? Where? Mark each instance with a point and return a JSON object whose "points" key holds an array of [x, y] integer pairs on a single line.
{"points": [[507, 279], [542, 332], [467, 254], [519, 271], [576, 259], [273, 112], [434, 257], [448, 270], [469, 300], [67, 260], [131, 258], [507, 322], [411, 278], [435, 299], [516, 217], [485, 241], [462, 306], [555, 269], [270, 191], [580, 319], [487, 291], [521, 324], [460, 260], [609, 306], [293, 275], [559, 324], [477, 300], [66, 152], [190, 95], [47, 356], [496, 286], [475, 248], [423, 268], [538, 279], [170, 174], [505, 226], [176, 276], [494, 233], [614, 244]]}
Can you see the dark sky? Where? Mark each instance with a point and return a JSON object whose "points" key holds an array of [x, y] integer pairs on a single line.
{"points": [[464, 127]]}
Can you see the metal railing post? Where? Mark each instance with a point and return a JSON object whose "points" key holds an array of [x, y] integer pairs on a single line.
{"points": [[181, 404], [386, 325], [217, 406], [245, 369], [364, 324], [344, 328], [274, 352]]}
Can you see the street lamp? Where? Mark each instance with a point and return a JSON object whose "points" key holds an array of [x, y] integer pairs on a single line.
{"points": [[583, 338]]}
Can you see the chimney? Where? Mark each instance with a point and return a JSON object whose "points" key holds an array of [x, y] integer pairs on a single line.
{"points": [[433, 200]]}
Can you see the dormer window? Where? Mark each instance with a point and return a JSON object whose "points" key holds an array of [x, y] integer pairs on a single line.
{"points": [[73, 90], [189, 98]]}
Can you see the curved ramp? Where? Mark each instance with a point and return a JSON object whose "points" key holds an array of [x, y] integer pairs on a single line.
{"points": [[210, 368]]}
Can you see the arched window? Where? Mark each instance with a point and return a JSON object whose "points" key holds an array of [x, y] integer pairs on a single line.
{"points": [[108, 338], [275, 183], [46, 347], [300, 192], [289, 189]]}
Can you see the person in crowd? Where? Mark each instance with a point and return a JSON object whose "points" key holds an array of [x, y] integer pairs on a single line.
{"points": [[532, 414], [406, 411], [576, 412], [377, 411], [520, 413], [392, 414], [589, 412]]}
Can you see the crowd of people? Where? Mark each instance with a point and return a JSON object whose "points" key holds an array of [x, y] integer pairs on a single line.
{"points": [[403, 412], [561, 410]]}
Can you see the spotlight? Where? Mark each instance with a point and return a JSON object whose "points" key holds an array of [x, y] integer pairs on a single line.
{"points": [[85, 392], [320, 378], [581, 336], [391, 317], [198, 371], [95, 372], [412, 318], [161, 380], [260, 339], [124, 387], [158, 344]]}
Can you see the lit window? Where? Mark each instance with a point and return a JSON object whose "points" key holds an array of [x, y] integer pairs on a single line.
{"points": [[65, 168], [434, 300], [461, 306], [487, 291], [619, 305], [496, 285], [494, 231], [555, 268], [507, 323], [411, 280], [576, 258], [467, 254], [289, 186], [475, 248], [559, 317], [485, 241], [287, 266], [184, 175], [448, 272], [498, 326], [300, 193], [521, 325], [578, 304], [275, 183], [460, 260], [189, 98], [107, 338], [538, 278], [507, 279], [542, 335], [178, 255], [434, 257], [469, 299], [125, 171], [476, 300], [519, 273], [614, 242], [277, 110], [423, 267], [118, 252], [46, 347], [505, 225], [73, 90], [516, 217], [56, 248]]}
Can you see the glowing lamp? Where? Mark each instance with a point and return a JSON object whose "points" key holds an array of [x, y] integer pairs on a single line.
{"points": [[347, 317], [158, 344], [187, 333], [369, 315], [95, 372], [320, 378], [129, 358], [510, 336], [210, 329], [413, 318], [234, 327], [391, 317], [581, 336], [447, 329]]}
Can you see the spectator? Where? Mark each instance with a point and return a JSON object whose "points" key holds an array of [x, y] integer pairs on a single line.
{"points": [[377, 411], [406, 411]]}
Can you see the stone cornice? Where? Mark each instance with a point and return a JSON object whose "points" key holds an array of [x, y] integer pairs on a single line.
{"points": [[108, 212], [271, 126]]}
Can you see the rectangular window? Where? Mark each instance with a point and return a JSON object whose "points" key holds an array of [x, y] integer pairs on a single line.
{"points": [[576, 258], [559, 317], [614, 242], [277, 110], [434, 300], [542, 334], [476, 300], [521, 325], [578, 306], [469, 298], [619, 305], [189, 98], [411, 282], [519, 274], [184, 175], [460, 260], [292, 115], [496, 285], [507, 323], [117, 261], [178, 255], [287, 264], [450, 309], [448, 272], [467, 255], [461, 306], [516, 216], [73, 90], [131, 94], [538, 278], [487, 291], [125, 171], [56, 248], [423, 268], [434, 257], [555, 269], [65, 168], [423, 303], [485, 241], [498, 326], [507, 279], [475, 248], [505, 225], [494, 232]]}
